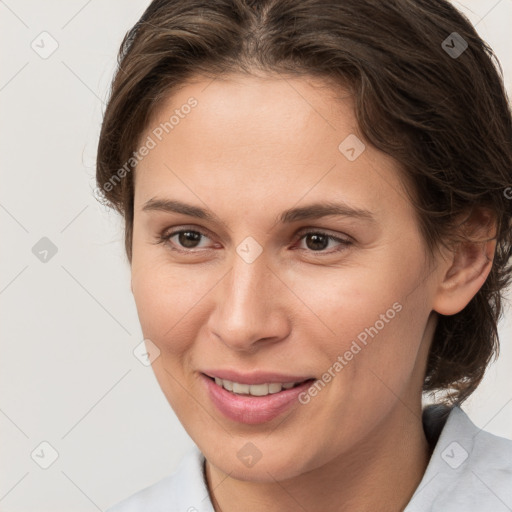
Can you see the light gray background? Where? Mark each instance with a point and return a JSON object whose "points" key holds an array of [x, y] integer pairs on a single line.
{"points": [[68, 375]]}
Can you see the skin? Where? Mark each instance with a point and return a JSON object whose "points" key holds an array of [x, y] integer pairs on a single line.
{"points": [[252, 148]]}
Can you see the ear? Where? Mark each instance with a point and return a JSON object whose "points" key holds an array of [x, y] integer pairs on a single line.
{"points": [[468, 264]]}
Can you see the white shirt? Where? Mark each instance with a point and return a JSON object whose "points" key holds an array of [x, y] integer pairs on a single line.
{"points": [[470, 470]]}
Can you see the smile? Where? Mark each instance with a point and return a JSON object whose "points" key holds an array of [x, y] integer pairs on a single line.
{"points": [[253, 403], [254, 389]]}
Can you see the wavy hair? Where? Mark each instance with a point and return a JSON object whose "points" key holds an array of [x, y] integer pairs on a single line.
{"points": [[445, 118]]}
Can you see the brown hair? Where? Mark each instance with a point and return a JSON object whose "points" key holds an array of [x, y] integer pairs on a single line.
{"points": [[444, 117]]}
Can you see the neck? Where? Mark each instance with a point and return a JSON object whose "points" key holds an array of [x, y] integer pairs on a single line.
{"points": [[379, 474]]}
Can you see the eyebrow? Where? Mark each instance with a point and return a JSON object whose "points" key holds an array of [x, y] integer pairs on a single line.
{"points": [[312, 211]]}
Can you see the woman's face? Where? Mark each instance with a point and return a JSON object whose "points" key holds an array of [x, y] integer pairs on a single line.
{"points": [[246, 167]]}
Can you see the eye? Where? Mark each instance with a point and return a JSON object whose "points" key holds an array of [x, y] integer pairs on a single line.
{"points": [[187, 240], [318, 241], [184, 239]]}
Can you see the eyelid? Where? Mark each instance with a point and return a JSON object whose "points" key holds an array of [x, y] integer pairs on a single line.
{"points": [[165, 237], [321, 231], [175, 230], [303, 231], [344, 241]]}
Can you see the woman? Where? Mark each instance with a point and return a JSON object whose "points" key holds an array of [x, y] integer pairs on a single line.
{"points": [[316, 197]]}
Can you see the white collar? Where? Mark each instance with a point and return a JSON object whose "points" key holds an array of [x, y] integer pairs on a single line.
{"points": [[469, 470]]}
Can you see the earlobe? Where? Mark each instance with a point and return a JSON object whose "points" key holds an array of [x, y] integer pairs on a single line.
{"points": [[471, 261]]}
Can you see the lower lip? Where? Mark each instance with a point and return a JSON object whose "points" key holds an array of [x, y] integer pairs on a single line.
{"points": [[252, 409]]}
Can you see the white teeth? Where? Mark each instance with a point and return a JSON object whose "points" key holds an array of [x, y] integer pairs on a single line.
{"points": [[258, 389], [254, 389], [227, 384], [274, 387], [241, 388]]}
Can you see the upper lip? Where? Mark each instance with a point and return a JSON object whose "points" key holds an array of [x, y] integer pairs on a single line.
{"points": [[259, 377]]}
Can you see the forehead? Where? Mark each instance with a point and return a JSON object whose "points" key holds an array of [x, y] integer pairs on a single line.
{"points": [[249, 138]]}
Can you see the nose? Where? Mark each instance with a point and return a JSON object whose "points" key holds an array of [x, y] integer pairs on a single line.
{"points": [[250, 309]]}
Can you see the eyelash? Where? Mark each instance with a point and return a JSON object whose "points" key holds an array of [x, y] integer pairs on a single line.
{"points": [[164, 238]]}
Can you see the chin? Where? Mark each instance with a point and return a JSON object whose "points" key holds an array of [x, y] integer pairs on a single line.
{"points": [[270, 461]]}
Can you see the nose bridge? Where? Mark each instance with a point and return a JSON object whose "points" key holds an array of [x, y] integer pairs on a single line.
{"points": [[247, 309], [246, 295]]}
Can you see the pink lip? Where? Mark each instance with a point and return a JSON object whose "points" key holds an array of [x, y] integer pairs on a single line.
{"points": [[253, 409], [255, 377]]}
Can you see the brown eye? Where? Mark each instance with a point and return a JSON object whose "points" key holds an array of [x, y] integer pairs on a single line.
{"points": [[184, 240], [189, 239], [317, 241]]}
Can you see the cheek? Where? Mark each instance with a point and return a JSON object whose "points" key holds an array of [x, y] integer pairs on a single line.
{"points": [[336, 304], [168, 301], [165, 299], [350, 299], [382, 354], [371, 316]]}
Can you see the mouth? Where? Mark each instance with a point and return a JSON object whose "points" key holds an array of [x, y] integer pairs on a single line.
{"points": [[263, 389], [253, 404]]}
